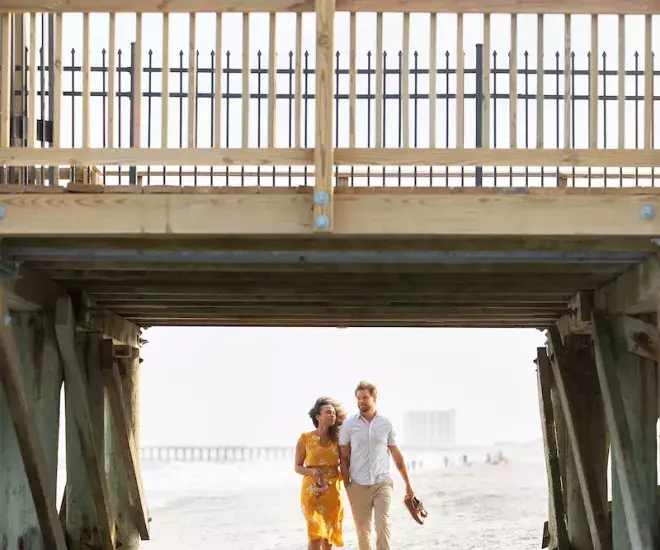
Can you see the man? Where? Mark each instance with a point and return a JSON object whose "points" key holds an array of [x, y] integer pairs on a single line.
{"points": [[366, 441]]}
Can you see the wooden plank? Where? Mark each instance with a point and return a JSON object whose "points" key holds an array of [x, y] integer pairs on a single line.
{"points": [[5, 82], [632, 492], [245, 89], [593, 84], [433, 81], [112, 73], [405, 6], [128, 448], [217, 100], [324, 151], [384, 214], [460, 85], [648, 83], [567, 82], [32, 88], [76, 394], [540, 72], [545, 382], [86, 75], [513, 84], [405, 81], [621, 92], [588, 484], [192, 82], [299, 78], [349, 157], [486, 83], [352, 94], [27, 433], [272, 81], [379, 81]]}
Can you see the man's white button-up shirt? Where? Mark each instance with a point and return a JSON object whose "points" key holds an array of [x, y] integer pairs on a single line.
{"points": [[370, 457]]}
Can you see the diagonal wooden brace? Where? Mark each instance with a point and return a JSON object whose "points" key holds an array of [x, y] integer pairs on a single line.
{"points": [[27, 433]]}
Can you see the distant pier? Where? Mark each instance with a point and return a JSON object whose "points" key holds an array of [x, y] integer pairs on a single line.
{"points": [[214, 454]]}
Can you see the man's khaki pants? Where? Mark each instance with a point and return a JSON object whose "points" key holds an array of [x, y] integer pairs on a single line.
{"points": [[367, 501]]}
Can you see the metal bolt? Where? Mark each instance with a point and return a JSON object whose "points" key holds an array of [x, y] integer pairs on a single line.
{"points": [[647, 212], [321, 198], [322, 222]]}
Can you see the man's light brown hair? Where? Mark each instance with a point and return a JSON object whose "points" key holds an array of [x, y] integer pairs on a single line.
{"points": [[371, 388]]}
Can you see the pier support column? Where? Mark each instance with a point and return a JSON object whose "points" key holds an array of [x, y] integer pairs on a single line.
{"points": [[42, 377], [628, 382], [81, 517], [582, 441], [127, 530]]}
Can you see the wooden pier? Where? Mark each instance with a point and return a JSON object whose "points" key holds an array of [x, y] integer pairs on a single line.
{"points": [[215, 454], [177, 201]]}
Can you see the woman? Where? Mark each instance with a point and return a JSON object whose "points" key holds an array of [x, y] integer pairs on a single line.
{"points": [[317, 459]]}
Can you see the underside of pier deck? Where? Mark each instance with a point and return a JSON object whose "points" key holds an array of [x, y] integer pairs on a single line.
{"points": [[479, 258]]}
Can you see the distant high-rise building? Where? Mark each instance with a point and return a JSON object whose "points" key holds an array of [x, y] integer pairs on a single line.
{"points": [[430, 429]]}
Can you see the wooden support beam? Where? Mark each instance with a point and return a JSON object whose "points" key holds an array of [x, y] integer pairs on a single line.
{"points": [[76, 395], [614, 158], [127, 445], [324, 152], [27, 432], [557, 523], [407, 6], [589, 485], [384, 214], [632, 491]]}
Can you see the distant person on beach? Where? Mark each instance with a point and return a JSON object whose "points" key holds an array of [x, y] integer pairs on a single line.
{"points": [[366, 441], [317, 459]]}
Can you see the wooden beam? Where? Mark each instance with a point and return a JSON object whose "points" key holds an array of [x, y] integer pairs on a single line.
{"points": [[627, 158], [126, 443], [27, 433], [588, 484], [632, 492], [405, 6], [557, 524], [76, 392], [359, 214], [324, 151]]}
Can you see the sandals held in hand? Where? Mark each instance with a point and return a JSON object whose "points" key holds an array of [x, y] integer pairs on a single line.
{"points": [[416, 509]]}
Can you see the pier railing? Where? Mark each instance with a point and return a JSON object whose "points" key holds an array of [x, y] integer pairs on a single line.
{"points": [[321, 115]]}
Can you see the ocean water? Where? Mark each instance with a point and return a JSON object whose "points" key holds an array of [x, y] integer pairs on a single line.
{"points": [[255, 505]]}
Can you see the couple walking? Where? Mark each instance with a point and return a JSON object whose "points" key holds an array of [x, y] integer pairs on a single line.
{"points": [[355, 450]]}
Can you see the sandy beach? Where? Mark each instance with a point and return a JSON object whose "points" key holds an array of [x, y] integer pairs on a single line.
{"points": [[251, 506]]}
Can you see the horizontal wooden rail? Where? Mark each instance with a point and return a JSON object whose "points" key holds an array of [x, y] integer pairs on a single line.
{"points": [[625, 158], [271, 6]]}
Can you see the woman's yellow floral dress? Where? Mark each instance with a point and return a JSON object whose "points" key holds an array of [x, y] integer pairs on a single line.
{"points": [[323, 508]]}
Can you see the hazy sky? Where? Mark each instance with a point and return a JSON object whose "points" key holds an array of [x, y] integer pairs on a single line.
{"points": [[243, 386]]}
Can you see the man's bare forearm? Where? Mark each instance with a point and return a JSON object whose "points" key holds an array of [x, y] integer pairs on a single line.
{"points": [[401, 466]]}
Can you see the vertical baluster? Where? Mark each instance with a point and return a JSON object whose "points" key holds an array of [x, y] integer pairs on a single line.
{"points": [[567, 82], [540, 93], [57, 91], [32, 123], [513, 90], [299, 77], [379, 80], [593, 85], [217, 98], [192, 81], [149, 107], [621, 93], [272, 74], [5, 88], [405, 76], [165, 90], [352, 95], [137, 93]]}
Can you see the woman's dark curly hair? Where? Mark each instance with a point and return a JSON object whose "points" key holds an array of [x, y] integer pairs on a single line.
{"points": [[339, 411]]}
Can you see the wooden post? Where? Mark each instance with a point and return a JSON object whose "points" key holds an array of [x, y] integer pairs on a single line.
{"points": [[127, 529], [31, 375], [77, 401], [628, 386], [556, 520], [80, 512], [324, 151], [586, 467]]}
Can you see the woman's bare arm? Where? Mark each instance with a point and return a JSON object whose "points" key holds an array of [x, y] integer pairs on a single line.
{"points": [[299, 465], [345, 463]]}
